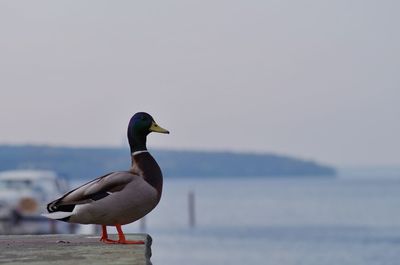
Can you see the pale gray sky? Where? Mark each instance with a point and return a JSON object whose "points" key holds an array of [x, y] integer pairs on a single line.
{"points": [[315, 79]]}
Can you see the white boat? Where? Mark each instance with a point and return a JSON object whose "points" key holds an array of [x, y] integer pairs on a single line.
{"points": [[24, 195]]}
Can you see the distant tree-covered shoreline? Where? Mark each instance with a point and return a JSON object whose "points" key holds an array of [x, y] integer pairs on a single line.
{"points": [[79, 162]]}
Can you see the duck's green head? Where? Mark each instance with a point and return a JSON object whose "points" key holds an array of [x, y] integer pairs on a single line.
{"points": [[140, 125]]}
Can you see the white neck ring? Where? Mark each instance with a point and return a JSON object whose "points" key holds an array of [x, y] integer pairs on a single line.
{"points": [[139, 152]]}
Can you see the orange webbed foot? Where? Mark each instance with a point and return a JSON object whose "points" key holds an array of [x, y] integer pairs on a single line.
{"points": [[122, 239], [108, 241], [104, 236]]}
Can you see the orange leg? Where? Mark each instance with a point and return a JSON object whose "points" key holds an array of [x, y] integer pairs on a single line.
{"points": [[104, 236], [122, 239]]}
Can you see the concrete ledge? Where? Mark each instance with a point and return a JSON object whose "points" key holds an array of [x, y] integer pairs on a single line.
{"points": [[72, 249]]}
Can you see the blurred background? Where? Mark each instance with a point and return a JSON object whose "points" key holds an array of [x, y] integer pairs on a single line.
{"points": [[283, 116]]}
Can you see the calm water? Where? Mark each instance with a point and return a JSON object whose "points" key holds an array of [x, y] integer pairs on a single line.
{"points": [[277, 221]]}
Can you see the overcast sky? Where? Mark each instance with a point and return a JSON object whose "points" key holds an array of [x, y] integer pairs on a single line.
{"points": [[315, 79]]}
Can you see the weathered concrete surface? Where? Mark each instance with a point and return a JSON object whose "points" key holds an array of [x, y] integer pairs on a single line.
{"points": [[72, 249]]}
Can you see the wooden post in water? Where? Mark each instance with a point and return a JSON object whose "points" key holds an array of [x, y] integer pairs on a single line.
{"points": [[142, 224], [192, 213]]}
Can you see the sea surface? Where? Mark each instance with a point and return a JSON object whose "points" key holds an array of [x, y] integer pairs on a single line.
{"points": [[275, 221]]}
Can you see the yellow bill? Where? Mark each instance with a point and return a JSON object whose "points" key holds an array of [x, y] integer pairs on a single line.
{"points": [[156, 128]]}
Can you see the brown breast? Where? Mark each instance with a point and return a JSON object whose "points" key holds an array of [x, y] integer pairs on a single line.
{"points": [[146, 166]]}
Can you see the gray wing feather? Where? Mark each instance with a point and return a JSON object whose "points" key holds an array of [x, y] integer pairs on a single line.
{"points": [[108, 183]]}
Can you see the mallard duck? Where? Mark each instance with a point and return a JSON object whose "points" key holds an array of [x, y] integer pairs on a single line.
{"points": [[117, 198]]}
